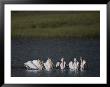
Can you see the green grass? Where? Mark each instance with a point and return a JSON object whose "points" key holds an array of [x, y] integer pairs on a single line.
{"points": [[55, 24]]}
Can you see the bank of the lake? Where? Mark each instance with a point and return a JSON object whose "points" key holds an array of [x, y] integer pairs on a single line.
{"points": [[73, 24]]}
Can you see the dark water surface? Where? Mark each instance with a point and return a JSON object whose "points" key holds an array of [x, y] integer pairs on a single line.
{"points": [[25, 50]]}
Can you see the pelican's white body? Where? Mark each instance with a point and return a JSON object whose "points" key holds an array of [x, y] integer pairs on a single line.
{"points": [[35, 64], [83, 62], [38, 64], [62, 64], [30, 65], [74, 65], [71, 65], [48, 65]]}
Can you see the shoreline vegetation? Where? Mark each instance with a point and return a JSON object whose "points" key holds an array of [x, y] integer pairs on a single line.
{"points": [[55, 25]]}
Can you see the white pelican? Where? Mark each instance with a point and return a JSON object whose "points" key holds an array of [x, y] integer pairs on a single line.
{"points": [[62, 64], [83, 62], [30, 65], [38, 63], [74, 65], [71, 65], [48, 64]]}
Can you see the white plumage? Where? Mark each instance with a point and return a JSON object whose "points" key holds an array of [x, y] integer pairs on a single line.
{"points": [[48, 64]]}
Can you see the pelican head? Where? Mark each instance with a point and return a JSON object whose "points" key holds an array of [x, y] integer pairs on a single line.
{"points": [[75, 60], [62, 59]]}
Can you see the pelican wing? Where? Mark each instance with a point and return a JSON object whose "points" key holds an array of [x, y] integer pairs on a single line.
{"points": [[30, 65]]}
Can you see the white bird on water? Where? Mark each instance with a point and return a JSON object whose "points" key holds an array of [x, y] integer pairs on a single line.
{"points": [[30, 65], [48, 64], [35, 64], [71, 65], [62, 64], [83, 62], [74, 65], [38, 63]]}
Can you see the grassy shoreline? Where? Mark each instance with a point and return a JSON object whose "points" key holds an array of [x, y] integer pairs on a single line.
{"points": [[55, 25]]}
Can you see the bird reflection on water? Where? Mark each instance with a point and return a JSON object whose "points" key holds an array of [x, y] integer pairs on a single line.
{"points": [[56, 73]]}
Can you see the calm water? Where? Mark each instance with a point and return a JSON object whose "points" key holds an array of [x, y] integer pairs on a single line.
{"points": [[25, 50]]}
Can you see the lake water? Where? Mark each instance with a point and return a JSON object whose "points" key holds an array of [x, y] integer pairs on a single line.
{"points": [[25, 50]]}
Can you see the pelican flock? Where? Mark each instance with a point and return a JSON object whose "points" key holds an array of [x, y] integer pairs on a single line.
{"points": [[48, 65]]}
